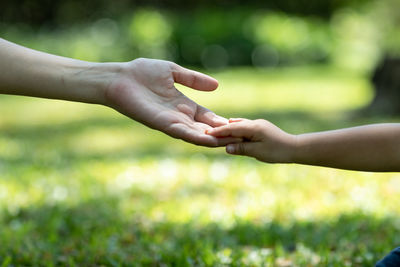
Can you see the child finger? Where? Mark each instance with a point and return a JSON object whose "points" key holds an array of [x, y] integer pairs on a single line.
{"points": [[240, 129], [222, 131], [223, 141], [244, 148]]}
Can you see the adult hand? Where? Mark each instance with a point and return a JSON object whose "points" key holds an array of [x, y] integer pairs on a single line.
{"points": [[144, 91]]}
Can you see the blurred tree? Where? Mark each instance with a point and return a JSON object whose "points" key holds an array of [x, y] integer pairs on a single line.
{"points": [[203, 33], [386, 80], [58, 12], [386, 76]]}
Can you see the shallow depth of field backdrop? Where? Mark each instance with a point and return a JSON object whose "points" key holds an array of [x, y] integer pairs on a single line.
{"points": [[83, 185]]}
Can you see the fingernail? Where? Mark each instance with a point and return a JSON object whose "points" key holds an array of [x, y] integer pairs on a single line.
{"points": [[208, 131], [230, 149], [234, 120]]}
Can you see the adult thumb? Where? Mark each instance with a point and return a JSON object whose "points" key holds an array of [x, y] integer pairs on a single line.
{"points": [[193, 79]]}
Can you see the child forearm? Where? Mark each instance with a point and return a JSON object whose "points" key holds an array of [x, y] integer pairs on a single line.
{"points": [[366, 148]]}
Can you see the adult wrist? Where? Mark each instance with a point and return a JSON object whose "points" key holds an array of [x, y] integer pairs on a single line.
{"points": [[88, 82]]}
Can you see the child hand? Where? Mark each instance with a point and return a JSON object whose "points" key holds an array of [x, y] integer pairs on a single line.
{"points": [[262, 140]]}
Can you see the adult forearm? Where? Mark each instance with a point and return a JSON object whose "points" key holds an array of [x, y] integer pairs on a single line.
{"points": [[367, 148], [31, 73]]}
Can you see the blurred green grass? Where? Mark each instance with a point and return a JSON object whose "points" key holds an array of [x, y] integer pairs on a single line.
{"points": [[83, 185]]}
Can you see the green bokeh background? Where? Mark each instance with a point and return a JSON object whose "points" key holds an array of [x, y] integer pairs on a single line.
{"points": [[83, 185]]}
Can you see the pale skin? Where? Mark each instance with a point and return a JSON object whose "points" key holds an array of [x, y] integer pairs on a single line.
{"points": [[142, 89], [373, 147]]}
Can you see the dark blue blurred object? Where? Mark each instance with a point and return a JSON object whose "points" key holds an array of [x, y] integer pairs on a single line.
{"points": [[390, 260]]}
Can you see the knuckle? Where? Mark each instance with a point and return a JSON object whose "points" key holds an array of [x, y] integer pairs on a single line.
{"points": [[242, 125], [139, 60], [257, 127], [261, 122], [173, 66], [260, 125], [192, 79]]}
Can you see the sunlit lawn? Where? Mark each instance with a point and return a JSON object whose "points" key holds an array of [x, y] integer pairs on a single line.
{"points": [[82, 185]]}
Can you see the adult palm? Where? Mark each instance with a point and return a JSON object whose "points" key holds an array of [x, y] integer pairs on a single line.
{"points": [[145, 91]]}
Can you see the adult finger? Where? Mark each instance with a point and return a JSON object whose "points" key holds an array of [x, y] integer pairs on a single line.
{"points": [[198, 137], [193, 79], [206, 116]]}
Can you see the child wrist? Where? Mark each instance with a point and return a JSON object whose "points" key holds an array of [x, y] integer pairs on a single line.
{"points": [[294, 149]]}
